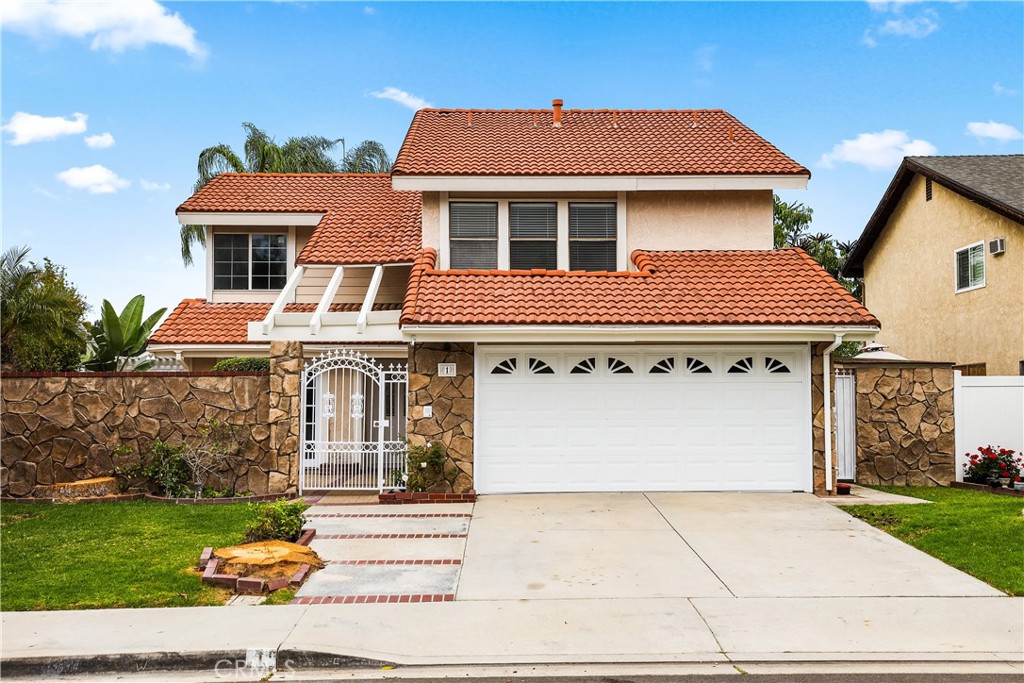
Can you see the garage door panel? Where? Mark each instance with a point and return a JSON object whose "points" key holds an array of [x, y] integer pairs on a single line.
{"points": [[673, 430]]}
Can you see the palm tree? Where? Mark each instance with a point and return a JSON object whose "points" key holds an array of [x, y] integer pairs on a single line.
{"points": [[261, 154], [38, 307]]}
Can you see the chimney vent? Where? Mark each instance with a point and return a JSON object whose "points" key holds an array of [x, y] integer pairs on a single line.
{"points": [[556, 106]]}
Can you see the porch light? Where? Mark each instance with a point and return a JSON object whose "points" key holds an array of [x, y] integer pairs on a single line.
{"points": [[327, 405]]}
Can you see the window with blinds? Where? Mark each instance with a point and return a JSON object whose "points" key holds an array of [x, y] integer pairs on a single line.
{"points": [[533, 236], [473, 235], [970, 267], [592, 231]]}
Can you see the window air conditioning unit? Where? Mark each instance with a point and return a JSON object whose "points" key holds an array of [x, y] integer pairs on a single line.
{"points": [[997, 246]]}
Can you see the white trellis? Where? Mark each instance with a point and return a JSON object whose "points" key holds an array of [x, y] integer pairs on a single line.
{"points": [[353, 423]]}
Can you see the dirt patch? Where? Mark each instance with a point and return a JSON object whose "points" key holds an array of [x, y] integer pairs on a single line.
{"points": [[266, 560]]}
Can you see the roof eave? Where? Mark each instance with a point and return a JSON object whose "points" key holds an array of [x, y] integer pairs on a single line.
{"points": [[894, 193], [418, 332], [596, 183]]}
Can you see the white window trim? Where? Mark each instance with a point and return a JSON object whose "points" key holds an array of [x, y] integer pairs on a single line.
{"points": [[504, 259], [289, 235], [984, 268]]}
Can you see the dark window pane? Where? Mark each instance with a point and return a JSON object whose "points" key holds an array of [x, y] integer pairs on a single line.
{"points": [[278, 281], [473, 220], [592, 221], [527, 254], [269, 255], [230, 261], [597, 255], [532, 220], [474, 254]]}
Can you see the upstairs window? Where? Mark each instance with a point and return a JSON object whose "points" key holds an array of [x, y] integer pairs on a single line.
{"points": [[533, 236], [970, 267], [592, 230], [473, 233], [242, 261]]}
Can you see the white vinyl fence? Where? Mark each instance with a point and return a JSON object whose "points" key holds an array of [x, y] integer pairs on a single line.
{"points": [[989, 411]]}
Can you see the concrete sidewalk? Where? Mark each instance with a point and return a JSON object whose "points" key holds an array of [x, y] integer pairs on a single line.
{"points": [[988, 631]]}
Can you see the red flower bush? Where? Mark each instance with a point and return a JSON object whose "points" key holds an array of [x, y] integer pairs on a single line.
{"points": [[990, 464]]}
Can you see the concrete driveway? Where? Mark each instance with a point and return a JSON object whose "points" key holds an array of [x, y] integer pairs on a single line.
{"points": [[690, 545]]}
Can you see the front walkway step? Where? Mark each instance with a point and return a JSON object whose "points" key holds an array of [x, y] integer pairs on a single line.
{"points": [[396, 510], [341, 580], [387, 549], [349, 526]]}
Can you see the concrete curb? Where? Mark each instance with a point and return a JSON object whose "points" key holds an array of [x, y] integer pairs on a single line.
{"points": [[138, 662]]}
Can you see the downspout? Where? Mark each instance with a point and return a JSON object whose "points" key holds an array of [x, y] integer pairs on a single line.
{"points": [[827, 377]]}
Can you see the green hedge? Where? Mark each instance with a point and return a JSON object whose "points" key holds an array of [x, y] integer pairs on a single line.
{"points": [[243, 364]]}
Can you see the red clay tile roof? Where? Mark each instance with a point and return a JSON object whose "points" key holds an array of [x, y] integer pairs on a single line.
{"points": [[365, 221], [196, 321], [589, 142], [783, 287]]}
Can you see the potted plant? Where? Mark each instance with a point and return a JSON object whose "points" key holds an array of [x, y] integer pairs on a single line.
{"points": [[993, 466]]}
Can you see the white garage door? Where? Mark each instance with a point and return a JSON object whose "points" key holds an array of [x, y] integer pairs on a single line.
{"points": [[642, 419]]}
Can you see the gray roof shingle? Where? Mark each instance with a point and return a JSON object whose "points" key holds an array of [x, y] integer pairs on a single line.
{"points": [[999, 178]]}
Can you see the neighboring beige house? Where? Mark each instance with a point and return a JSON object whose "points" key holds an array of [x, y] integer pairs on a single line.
{"points": [[943, 262], [566, 300]]}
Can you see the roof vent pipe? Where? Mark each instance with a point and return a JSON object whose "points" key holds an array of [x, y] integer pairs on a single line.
{"points": [[556, 107]]}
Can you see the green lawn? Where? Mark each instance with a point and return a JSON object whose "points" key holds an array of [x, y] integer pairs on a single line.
{"points": [[132, 554], [978, 532]]}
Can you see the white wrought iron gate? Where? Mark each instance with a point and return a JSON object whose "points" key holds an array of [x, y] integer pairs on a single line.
{"points": [[846, 424], [353, 423]]}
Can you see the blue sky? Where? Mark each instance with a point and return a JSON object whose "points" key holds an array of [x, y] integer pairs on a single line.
{"points": [[844, 88]]}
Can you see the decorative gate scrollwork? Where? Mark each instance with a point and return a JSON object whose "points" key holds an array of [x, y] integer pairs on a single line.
{"points": [[353, 423]]}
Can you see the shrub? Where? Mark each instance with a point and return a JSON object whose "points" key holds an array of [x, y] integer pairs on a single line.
{"points": [[280, 520], [990, 464], [426, 467], [188, 470], [242, 364], [167, 470]]}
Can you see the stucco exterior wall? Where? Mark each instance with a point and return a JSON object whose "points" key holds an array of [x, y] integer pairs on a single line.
{"points": [[910, 283], [699, 220]]}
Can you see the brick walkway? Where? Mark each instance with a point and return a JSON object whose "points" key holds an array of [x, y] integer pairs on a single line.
{"points": [[386, 554]]}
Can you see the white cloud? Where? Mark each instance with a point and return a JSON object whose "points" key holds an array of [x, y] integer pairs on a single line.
{"points": [[869, 39], [43, 191], [895, 6], [101, 141], [405, 99], [28, 128], [921, 26], [704, 56], [115, 26], [1001, 132], [151, 186], [1000, 89], [94, 179], [369, 10], [877, 151]]}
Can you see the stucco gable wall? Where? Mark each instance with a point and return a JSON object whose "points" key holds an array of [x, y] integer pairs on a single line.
{"points": [[655, 221], [910, 283]]}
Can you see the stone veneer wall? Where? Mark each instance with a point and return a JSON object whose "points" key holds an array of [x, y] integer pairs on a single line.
{"points": [[66, 427], [451, 399], [905, 423]]}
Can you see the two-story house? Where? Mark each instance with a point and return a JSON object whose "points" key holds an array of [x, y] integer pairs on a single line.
{"points": [[942, 259], [586, 300]]}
